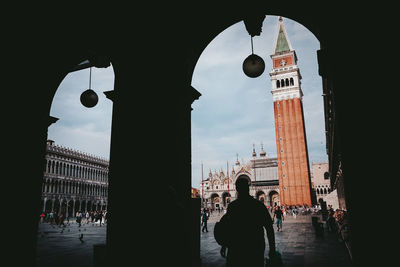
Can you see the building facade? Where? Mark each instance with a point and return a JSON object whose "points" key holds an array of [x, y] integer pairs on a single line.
{"points": [[73, 181], [218, 189], [320, 180], [195, 193], [321, 184], [292, 153]]}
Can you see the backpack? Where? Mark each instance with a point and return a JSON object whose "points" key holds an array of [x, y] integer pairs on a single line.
{"points": [[222, 231]]}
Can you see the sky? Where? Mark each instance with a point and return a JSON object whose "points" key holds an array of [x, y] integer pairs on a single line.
{"points": [[80, 128], [233, 113]]}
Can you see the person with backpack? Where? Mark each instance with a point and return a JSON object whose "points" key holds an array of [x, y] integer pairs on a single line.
{"points": [[204, 219], [241, 230]]}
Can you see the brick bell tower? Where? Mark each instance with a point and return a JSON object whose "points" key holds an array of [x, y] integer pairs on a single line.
{"points": [[291, 144]]}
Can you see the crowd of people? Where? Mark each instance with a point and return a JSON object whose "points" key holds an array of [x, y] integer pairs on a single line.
{"points": [[59, 218], [338, 222]]}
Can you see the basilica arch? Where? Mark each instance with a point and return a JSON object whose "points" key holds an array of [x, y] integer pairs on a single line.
{"points": [[226, 199], [274, 198], [260, 195], [215, 201]]}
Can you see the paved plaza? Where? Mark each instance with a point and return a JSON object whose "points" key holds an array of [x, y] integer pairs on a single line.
{"points": [[61, 246], [297, 244]]}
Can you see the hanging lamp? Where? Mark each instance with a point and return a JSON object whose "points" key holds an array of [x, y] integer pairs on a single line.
{"points": [[253, 65], [89, 97]]}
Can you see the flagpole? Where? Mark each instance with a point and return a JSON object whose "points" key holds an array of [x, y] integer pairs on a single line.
{"points": [[255, 180], [227, 173], [202, 184]]}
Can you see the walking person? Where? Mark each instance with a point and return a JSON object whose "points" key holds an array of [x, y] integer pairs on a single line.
{"points": [[42, 217], [245, 221], [61, 219], [87, 217], [279, 218], [204, 219], [294, 212], [79, 218]]}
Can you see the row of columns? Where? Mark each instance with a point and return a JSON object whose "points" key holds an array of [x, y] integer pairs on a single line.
{"points": [[99, 204], [70, 187], [54, 167]]}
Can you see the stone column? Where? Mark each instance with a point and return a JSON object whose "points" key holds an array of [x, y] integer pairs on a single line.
{"points": [[52, 204], [44, 204], [60, 206], [66, 209], [73, 208]]}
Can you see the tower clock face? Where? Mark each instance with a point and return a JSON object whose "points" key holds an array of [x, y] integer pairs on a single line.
{"points": [[283, 61]]}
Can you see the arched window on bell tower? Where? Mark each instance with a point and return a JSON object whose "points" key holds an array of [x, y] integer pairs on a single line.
{"points": [[291, 81], [278, 85]]}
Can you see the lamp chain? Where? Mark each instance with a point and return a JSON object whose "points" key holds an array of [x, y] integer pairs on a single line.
{"points": [[252, 52], [90, 78]]}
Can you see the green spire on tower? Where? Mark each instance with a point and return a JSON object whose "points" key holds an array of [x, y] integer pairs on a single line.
{"points": [[282, 43]]}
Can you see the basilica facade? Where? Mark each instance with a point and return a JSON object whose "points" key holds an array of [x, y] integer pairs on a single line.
{"points": [[73, 181], [218, 189]]}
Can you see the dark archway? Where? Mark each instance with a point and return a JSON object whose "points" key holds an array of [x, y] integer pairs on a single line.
{"points": [[226, 198], [69, 44], [215, 201], [70, 206], [260, 195], [48, 206], [274, 198]]}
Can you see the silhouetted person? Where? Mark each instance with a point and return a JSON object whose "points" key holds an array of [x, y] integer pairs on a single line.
{"points": [[247, 219], [278, 213], [204, 219]]}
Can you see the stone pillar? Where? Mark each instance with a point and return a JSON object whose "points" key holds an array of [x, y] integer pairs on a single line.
{"points": [[59, 211], [73, 208], [52, 204], [44, 204]]}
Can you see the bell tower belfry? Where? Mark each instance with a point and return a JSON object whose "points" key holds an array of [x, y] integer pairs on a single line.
{"points": [[291, 144]]}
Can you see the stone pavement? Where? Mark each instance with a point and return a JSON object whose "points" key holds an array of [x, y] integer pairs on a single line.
{"points": [[297, 244], [61, 246]]}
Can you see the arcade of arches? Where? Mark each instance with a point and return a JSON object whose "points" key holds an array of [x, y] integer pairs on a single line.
{"points": [[73, 181], [44, 46], [218, 189]]}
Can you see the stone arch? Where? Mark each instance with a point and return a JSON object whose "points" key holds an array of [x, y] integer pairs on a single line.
{"points": [[260, 195], [215, 200], [70, 207], [47, 205], [226, 198], [274, 198]]}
